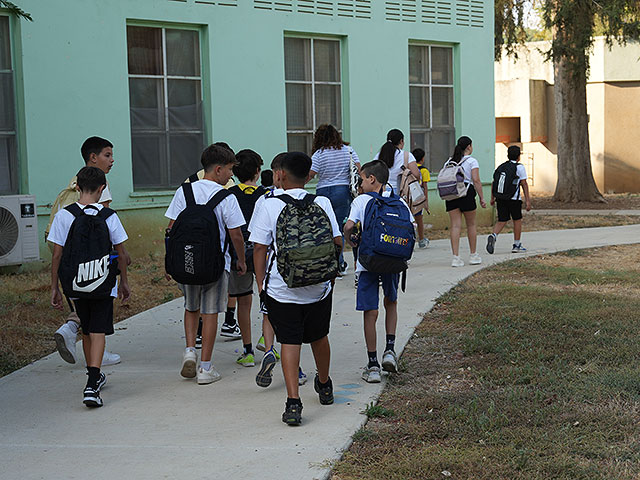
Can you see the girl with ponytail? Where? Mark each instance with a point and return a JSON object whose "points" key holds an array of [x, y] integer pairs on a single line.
{"points": [[465, 206], [393, 155]]}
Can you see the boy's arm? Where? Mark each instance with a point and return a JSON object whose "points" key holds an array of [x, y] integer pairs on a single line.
{"points": [[235, 234], [56, 296], [124, 291], [260, 263], [348, 228], [527, 197]]}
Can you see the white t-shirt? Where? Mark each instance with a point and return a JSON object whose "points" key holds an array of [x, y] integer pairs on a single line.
{"points": [[396, 170], [263, 231], [64, 218], [469, 163], [358, 209], [521, 174], [332, 165], [227, 212], [106, 195]]}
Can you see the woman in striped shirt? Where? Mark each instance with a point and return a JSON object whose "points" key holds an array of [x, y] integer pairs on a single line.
{"points": [[331, 162]]}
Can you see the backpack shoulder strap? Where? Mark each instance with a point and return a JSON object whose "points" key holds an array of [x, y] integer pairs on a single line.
{"points": [[218, 197], [187, 189], [194, 177], [288, 199], [406, 159], [105, 213], [74, 209]]}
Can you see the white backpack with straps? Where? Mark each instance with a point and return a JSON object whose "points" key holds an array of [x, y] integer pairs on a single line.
{"points": [[410, 188], [451, 181]]}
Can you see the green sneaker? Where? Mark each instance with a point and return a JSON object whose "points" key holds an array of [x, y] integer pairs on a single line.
{"points": [[246, 360], [260, 344]]}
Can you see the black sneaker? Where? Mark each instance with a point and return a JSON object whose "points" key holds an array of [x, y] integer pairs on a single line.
{"points": [[92, 397], [198, 342], [491, 241], [324, 393], [101, 381], [292, 414], [230, 331]]}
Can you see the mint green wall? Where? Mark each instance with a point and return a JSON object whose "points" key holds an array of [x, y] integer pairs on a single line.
{"points": [[75, 84]]}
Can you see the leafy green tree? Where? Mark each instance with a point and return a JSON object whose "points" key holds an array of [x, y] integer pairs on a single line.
{"points": [[16, 10], [573, 24]]}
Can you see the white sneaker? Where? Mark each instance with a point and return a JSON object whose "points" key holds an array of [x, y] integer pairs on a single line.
{"points": [[390, 361], [424, 243], [457, 262], [208, 376], [475, 259], [65, 339], [110, 358], [189, 364], [371, 374]]}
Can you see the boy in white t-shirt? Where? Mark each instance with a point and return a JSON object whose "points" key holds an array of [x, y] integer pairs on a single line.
{"points": [[211, 299], [511, 209], [300, 314], [96, 152], [95, 315], [374, 175]]}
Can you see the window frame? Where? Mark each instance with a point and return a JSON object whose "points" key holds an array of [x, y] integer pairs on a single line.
{"points": [[313, 82], [430, 86], [166, 78], [12, 135]]}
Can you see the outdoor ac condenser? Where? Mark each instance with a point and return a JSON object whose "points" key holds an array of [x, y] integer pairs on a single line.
{"points": [[18, 230]]}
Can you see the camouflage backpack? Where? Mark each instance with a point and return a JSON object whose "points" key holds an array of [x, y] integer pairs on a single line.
{"points": [[307, 254]]}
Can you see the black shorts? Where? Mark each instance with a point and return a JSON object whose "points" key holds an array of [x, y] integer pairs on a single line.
{"points": [[509, 210], [465, 204], [96, 316], [295, 324]]}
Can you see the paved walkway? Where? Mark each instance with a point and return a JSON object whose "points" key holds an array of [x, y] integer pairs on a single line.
{"points": [[156, 425], [570, 212]]}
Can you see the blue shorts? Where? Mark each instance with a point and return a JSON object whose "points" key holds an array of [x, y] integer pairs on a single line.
{"points": [[368, 296]]}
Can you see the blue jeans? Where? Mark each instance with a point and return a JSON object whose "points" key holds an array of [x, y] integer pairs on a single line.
{"points": [[340, 199]]}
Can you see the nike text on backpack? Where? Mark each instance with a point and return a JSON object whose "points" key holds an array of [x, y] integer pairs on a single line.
{"points": [[247, 204], [88, 269], [451, 181], [388, 236], [194, 255], [411, 188], [306, 253], [505, 183]]}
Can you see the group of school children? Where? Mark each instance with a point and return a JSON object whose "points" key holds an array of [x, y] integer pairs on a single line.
{"points": [[218, 239]]}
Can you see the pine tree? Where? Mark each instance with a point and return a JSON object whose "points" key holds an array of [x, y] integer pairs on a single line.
{"points": [[573, 24]]}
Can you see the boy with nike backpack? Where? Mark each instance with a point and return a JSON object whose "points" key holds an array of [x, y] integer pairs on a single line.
{"points": [[385, 246], [83, 236]]}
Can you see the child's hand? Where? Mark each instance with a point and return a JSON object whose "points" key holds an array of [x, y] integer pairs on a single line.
{"points": [[483, 204], [56, 298], [124, 291], [492, 202], [528, 206], [242, 268]]}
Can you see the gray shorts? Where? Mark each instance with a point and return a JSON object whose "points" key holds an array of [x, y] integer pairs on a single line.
{"points": [[209, 299], [241, 285]]}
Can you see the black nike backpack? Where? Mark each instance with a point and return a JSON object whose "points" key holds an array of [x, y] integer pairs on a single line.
{"points": [[505, 185]]}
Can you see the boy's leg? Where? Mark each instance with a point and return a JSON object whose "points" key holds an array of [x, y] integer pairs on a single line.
{"points": [[191, 320], [209, 331], [370, 336], [498, 227], [322, 355], [267, 332], [96, 349], [244, 319], [390, 284], [290, 358], [420, 222], [517, 230]]}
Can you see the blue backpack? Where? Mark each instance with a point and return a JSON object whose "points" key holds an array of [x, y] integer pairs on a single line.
{"points": [[388, 236]]}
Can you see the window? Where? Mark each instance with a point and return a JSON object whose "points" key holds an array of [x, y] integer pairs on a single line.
{"points": [[165, 94], [431, 103], [8, 154], [313, 88]]}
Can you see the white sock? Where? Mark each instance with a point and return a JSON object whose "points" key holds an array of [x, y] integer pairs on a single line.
{"points": [[206, 365], [190, 349], [73, 326], [517, 243]]}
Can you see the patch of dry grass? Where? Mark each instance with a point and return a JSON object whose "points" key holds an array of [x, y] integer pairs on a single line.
{"points": [[520, 372], [27, 322]]}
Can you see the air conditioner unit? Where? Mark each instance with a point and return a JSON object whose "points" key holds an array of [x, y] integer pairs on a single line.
{"points": [[18, 230]]}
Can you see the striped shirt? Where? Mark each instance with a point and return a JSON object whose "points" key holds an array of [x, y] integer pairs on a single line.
{"points": [[332, 165]]}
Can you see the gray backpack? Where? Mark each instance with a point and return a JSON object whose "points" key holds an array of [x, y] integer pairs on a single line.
{"points": [[451, 181]]}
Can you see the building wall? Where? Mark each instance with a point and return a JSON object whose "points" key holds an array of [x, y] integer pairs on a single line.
{"points": [[74, 78]]}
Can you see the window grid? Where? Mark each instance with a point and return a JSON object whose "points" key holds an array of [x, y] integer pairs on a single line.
{"points": [[313, 84], [434, 164], [165, 77]]}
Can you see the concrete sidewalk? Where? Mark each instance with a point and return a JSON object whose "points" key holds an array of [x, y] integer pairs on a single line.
{"points": [[157, 425], [574, 213]]}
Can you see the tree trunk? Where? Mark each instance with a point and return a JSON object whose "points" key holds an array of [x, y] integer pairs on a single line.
{"points": [[575, 177]]}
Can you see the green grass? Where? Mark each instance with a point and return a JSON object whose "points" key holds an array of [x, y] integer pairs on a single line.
{"points": [[520, 382]]}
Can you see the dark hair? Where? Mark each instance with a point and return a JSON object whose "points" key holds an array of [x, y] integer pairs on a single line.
{"points": [[276, 163], [248, 166], [327, 136], [297, 164], [224, 145], [94, 145], [216, 155], [461, 146], [90, 179], [266, 178], [419, 154], [513, 152], [378, 169], [387, 153]]}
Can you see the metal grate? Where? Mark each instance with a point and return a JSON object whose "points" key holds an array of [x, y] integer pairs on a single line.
{"points": [[401, 10], [276, 5], [221, 3], [327, 8], [8, 232]]}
